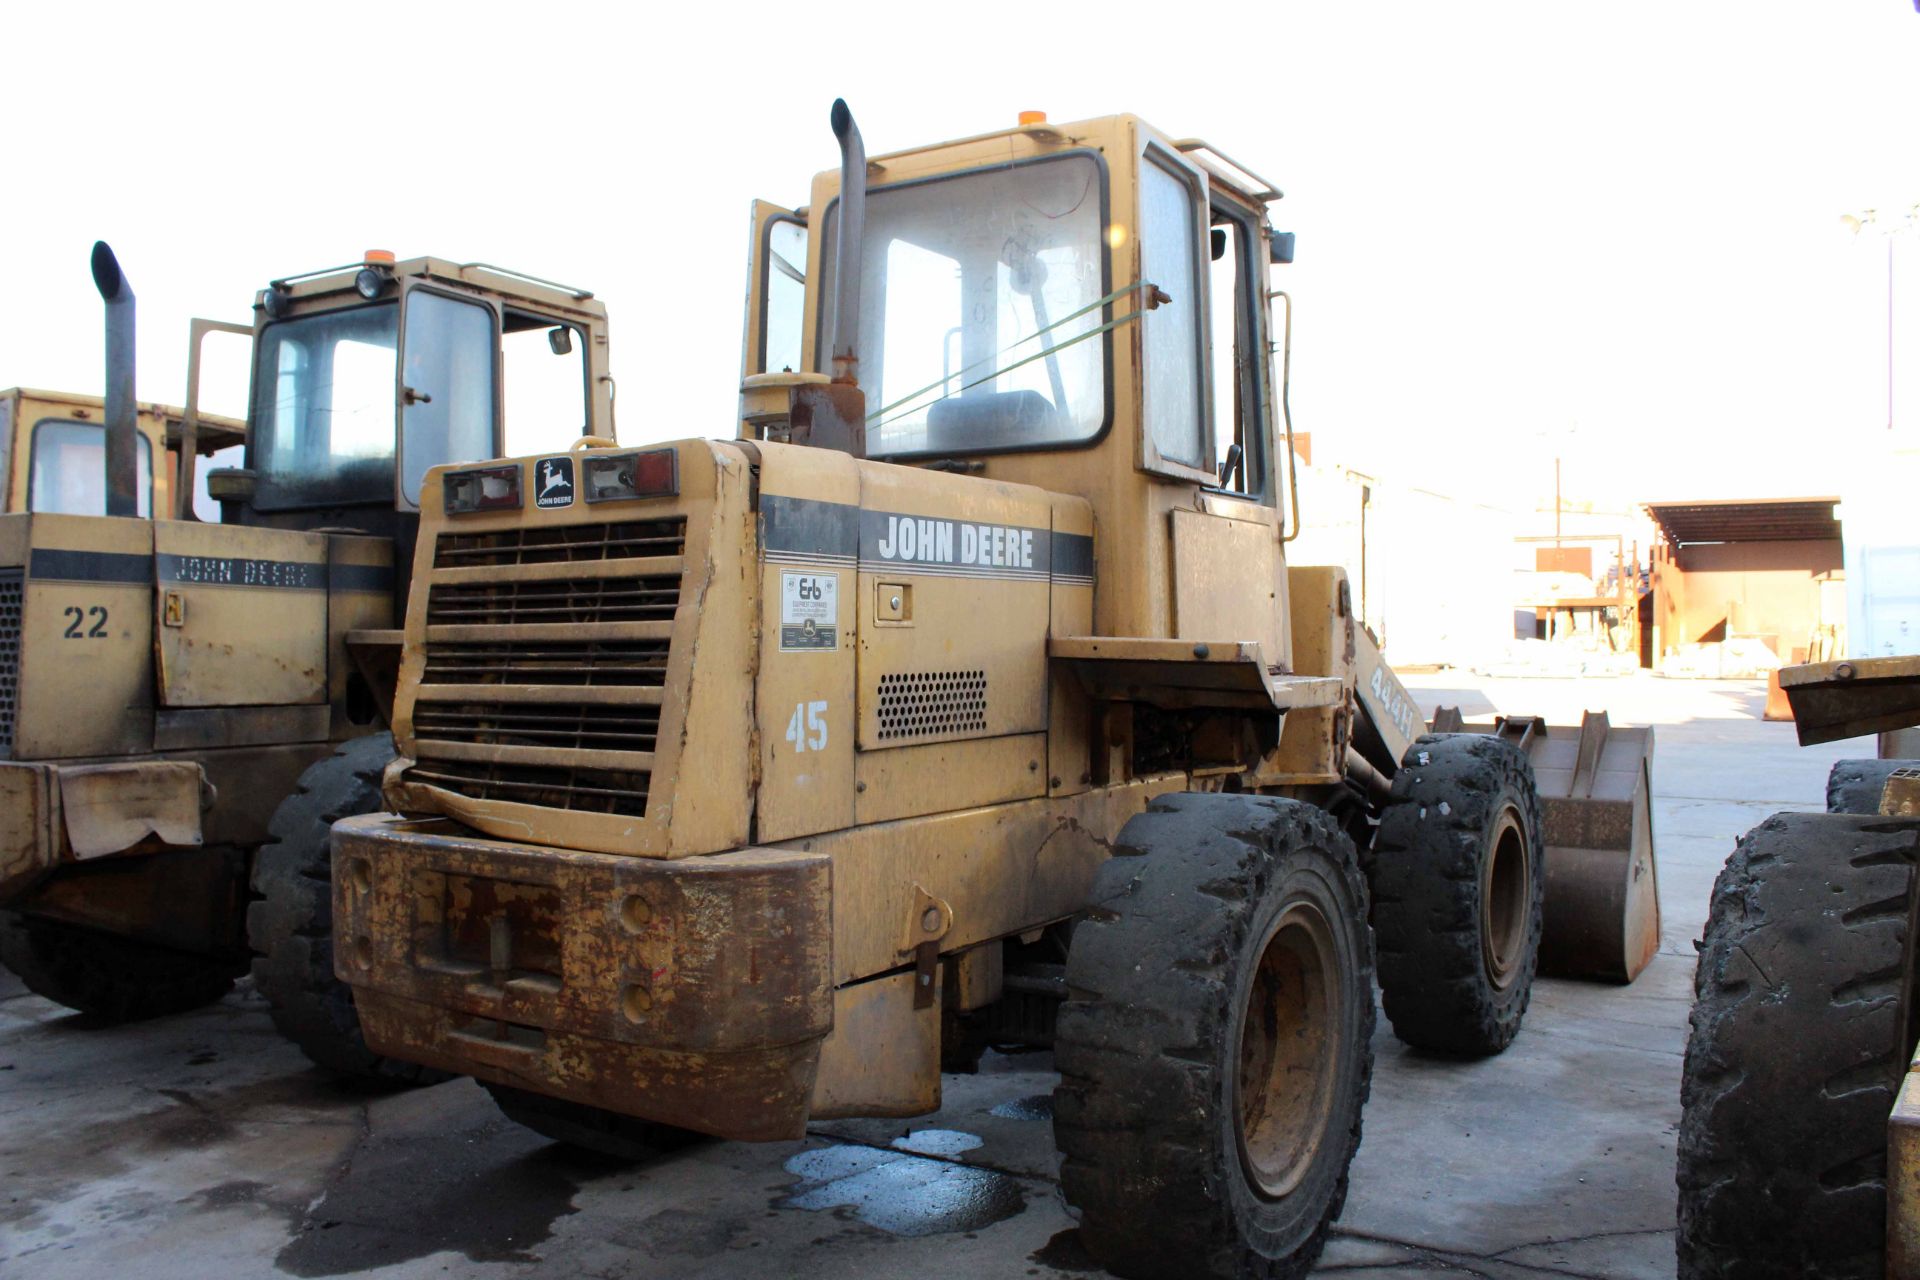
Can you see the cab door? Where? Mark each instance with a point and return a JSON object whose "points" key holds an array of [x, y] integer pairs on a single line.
{"points": [[773, 333], [448, 386]]}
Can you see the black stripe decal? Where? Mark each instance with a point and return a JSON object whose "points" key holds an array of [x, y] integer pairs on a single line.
{"points": [[803, 530], [51, 564], [360, 577], [805, 527], [237, 571]]}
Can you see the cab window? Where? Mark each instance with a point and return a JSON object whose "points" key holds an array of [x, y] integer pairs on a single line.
{"points": [[783, 288], [545, 383], [70, 469], [1175, 396], [1237, 362], [323, 411]]}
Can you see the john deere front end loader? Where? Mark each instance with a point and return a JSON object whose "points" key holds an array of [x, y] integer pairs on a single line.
{"points": [[965, 698], [185, 707]]}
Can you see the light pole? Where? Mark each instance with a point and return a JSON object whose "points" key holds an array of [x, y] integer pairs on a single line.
{"points": [[1886, 229]]}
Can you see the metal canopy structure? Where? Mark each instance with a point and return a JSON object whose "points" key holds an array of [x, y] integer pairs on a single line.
{"points": [[1741, 520]]}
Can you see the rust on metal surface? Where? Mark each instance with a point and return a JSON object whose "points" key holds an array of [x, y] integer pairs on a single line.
{"points": [[1834, 700], [695, 992]]}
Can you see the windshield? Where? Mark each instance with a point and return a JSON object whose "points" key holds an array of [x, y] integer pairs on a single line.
{"points": [[973, 291], [323, 427], [70, 469]]}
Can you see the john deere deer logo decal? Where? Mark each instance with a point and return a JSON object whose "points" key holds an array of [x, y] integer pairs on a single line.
{"points": [[553, 483]]}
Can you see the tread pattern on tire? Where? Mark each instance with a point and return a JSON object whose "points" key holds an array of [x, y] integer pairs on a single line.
{"points": [[290, 922], [1794, 1054], [1147, 1012], [1854, 786], [107, 977], [1425, 879]]}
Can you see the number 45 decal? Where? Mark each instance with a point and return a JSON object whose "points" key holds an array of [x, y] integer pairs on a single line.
{"points": [[807, 731]]}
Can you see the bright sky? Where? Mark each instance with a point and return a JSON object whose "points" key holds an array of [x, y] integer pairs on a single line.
{"points": [[1609, 231]]}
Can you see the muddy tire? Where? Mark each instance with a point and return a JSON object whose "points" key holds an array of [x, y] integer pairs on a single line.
{"points": [[1458, 875], [603, 1132], [107, 977], [1795, 1052], [1215, 1048], [290, 923], [1854, 786]]}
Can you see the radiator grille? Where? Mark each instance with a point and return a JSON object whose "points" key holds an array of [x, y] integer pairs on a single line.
{"points": [[553, 544], [12, 601], [924, 704], [593, 663], [568, 600], [581, 790], [572, 726]]}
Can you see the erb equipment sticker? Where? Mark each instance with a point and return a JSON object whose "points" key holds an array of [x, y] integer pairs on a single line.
{"points": [[809, 611]]}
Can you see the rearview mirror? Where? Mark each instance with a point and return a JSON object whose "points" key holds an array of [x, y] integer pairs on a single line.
{"points": [[1279, 246], [560, 341]]}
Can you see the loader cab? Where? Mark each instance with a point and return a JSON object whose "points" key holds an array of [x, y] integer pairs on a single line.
{"points": [[53, 445], [1082, 307], [365, 376]]}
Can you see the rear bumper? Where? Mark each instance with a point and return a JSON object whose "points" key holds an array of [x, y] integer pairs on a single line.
{"points": [[695, 992], [54, 814]]}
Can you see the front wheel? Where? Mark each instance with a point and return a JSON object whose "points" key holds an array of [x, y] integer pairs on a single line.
{"points": [[1215, 1046]]}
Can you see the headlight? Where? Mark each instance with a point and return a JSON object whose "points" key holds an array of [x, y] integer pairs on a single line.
{"points": [[371, 282]]}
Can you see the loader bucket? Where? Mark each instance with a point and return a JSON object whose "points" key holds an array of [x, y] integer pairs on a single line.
{"points": [[1602, 910]]}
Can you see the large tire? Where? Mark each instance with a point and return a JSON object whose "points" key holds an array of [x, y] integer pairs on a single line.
{"points": [[107, 977], [290, 923], [1795, 1052], [595, 1129], [1854, 786], [1226, 945], [1458, 875]]}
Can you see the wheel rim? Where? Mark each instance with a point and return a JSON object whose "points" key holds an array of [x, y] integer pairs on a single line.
{"points": [[1506, 892], [1289, 1051]]}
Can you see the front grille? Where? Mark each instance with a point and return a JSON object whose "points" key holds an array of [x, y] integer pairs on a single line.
{"points": [[567, 600], [580, 790], [594, 663], [573, 726], [927, 704], [12, 601], [553, 544]]}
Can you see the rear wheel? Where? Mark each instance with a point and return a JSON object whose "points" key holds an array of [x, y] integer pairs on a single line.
{"points": [[1458, 879], [1215, 1046], [290, 924], [106, 976], [1795, 1052], [575, 1124]]}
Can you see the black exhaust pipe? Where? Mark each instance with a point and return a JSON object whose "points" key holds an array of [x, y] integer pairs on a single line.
{"points": [[849, 236], [123, 467]]}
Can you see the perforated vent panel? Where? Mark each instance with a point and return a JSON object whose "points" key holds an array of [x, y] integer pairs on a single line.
{"points": [[12, 596], [932, 704]]}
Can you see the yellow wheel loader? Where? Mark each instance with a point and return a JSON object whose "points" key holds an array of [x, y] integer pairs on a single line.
{"points": [[965, 698], [1799, 1150], [186, 706]]}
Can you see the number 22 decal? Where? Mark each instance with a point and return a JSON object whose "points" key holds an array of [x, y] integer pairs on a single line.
{"points": [[76, 617], [807, 731]]}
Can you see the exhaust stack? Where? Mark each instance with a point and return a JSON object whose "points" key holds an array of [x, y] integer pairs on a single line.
{"points": [[851, 233], [123, 467], [834, 415]]}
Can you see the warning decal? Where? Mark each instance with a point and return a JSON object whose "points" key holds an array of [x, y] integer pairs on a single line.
{"points": [[809, 611]]}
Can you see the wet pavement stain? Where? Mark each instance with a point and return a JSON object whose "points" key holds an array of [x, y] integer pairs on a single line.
{"points": [[905, 1190], [1037, 1106], [1065, 1253], [491, 1191]]}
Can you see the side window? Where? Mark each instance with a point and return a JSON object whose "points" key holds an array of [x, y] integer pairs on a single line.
{"points": [[1239, 434], [545, 382], [785, 292], [447, 380], [6, 452], [70, 469], [1171, 351]]}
